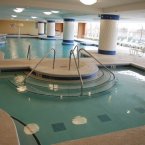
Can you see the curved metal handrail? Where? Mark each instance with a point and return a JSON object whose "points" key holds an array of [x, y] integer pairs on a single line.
{"points": [[40, 62], [82, 49], [81, 80], [72, 51]]}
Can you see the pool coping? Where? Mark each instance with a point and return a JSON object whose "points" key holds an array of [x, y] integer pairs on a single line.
{"points": [[8, 131], [132, 136]]}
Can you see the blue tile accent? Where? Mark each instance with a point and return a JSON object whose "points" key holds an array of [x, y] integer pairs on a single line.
{"points": [[58, 127], [68, 42], [66, 78], [104, 118], [40, 33], [106, 52], [69, 20], [88, 44], [140, 110], [41, 22], [109, 17], [50, 36], [51, 21]]}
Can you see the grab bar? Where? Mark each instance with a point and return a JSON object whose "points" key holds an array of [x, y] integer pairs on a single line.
{"points": [[82, 49], [29, 53], [81, 80], [72, 51], [40, 62]]}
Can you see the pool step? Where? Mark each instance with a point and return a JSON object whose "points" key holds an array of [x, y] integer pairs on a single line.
{"points": [[101, 82], [98, 80]]}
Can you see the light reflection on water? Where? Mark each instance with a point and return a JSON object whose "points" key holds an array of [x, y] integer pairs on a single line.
{"points": [[133, 74]]}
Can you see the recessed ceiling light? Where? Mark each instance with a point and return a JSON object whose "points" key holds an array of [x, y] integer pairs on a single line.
{"points": [[88, 2], [55, 12], [33, 17], [14, 16], [18, 10], [47, 13]]}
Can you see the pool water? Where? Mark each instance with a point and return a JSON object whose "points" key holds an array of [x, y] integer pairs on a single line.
{"points": [[16, 48], [120, 108]]}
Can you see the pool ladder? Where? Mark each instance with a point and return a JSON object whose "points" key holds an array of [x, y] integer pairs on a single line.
{"points": [[76, 60], [54, 53], [78, 64]]}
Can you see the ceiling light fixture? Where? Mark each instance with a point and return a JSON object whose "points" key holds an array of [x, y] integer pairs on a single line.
{"points": [[47, 13], [18, 10], [88, 2], [55, 12]]}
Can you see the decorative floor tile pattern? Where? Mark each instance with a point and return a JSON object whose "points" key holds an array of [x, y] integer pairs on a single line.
{"points": [[58, 127], [104, 118], [140, 110]]}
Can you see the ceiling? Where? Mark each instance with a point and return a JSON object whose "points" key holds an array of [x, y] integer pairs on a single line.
{"points": [[127, 9]]}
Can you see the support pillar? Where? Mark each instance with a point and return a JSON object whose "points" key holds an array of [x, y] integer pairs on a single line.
{"points": [[68, 31], [41, 28], [108, 34], [50, 29]]}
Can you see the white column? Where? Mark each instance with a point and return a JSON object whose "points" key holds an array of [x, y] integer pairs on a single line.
{"points": [[108, 34], [41, 28], [68, 31], [50, 29]]}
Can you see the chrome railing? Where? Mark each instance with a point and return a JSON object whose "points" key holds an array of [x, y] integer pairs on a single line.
{"points": [[29, 53], [72, 51], [82, 49], [40, 62], [81, 80]]}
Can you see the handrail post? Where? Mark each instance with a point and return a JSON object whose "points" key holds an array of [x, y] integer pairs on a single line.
{"points": [[72, 51], [78, 59], [54, 55], [81, 80], [39, 63], [29, 52], [70, 59], [82, 49]]}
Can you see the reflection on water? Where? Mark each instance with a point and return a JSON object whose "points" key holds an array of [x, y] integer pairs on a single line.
{"points": [[18, 48], [22, 88], [133, 74]]}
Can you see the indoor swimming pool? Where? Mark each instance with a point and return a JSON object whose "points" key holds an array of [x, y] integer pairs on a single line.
{"points": [[17, 48], [60, 119]]}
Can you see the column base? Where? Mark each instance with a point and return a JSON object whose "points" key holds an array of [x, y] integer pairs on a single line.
{"points": [[51, 37], [68, 42], [107, 52]]}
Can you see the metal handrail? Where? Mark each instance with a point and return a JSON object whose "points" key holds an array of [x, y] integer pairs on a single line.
{"points": [[81, 80], [72, 51], [40, 62], [29, 52], [82, 49]]}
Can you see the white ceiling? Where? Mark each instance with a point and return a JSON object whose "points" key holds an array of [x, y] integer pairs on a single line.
{"points": [[127, 9]]}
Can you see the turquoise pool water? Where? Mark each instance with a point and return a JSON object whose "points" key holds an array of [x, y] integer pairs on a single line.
{"points": [[121, 108], [18, 48]]}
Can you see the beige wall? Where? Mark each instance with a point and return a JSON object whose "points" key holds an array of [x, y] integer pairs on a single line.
{"points": [[12, 27]]}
